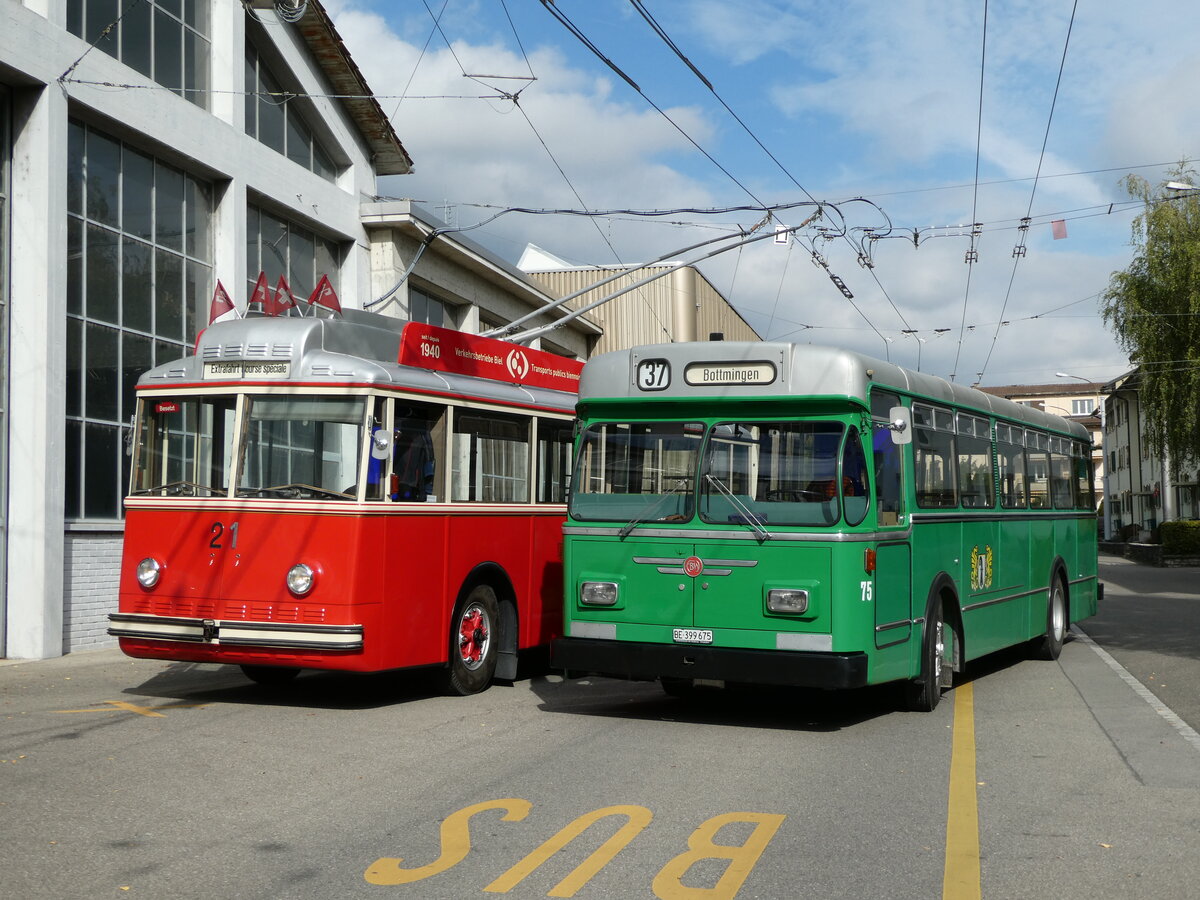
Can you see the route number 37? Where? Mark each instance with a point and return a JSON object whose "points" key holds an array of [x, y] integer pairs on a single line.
{"points": [[653, 375]]}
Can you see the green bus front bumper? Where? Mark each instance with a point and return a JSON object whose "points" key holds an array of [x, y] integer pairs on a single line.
{"points": [[646, 662]]}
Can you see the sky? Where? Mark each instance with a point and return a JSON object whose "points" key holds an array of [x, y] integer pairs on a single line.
{"points": [[901, 122]]}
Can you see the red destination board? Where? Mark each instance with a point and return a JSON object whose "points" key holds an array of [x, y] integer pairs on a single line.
{"points": [[445, 350]]}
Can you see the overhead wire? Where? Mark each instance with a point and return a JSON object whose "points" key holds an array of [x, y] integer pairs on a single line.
{"points": [[1019, 251], [420, 56], [516, 101], [666, 38], [973, 253], [570, 26]]}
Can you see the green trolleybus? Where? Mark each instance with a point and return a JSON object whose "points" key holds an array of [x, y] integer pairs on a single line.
{"points": [[787, 514]]}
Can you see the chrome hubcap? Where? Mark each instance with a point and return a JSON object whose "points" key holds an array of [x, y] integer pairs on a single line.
{"points": [[474, 636]]}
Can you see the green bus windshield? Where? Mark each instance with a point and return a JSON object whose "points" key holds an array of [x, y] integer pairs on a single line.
{"points": [[782, 473], [642, 471]]}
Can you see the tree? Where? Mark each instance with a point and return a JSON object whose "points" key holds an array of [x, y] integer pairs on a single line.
{"points": [[1153, 306]]}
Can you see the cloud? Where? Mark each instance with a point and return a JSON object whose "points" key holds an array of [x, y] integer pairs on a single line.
{"points": [[491, 151], [868, 99]]}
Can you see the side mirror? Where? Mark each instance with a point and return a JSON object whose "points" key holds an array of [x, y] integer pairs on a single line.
{"points": [[900, 425], [381, 443]]}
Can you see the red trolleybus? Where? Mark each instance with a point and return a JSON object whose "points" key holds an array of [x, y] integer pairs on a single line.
{"points": [[786, 514], [352, 493]]}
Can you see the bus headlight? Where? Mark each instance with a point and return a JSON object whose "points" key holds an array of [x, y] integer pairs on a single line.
{"points": [[300, 579], [148, 572], [787, 602], [598, 593]]}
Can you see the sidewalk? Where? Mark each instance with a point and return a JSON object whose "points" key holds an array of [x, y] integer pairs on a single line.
{"points": [[69, 660]]}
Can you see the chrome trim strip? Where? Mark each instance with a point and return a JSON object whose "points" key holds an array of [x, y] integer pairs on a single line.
{"points": [[1029, 593], [836, 537], [972, 606], [890, 625], [992, 515], [669, 565], [236, 632], [282, 644]]}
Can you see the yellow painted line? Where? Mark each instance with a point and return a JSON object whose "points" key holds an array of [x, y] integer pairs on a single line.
{"points": [[961, 879], [133, 708]]}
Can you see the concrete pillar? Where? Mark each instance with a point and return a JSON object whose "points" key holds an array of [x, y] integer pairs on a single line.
{"points": [[37, 384]]}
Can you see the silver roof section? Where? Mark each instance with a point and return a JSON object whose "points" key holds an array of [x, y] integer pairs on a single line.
{"points": [[800, 369], [360, 347]]}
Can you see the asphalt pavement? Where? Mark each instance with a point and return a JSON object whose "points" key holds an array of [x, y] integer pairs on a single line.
{"points": [[1149, 622]]}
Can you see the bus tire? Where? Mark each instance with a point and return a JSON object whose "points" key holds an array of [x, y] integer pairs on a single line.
{"points": [[1049, 646], [270, 676], [923, 693], [474, 641]]}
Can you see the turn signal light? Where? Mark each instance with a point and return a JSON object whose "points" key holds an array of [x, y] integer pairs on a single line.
{"points": [[869, 561]]}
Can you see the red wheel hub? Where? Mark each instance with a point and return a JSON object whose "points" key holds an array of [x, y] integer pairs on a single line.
{"points": [[472, 635]]}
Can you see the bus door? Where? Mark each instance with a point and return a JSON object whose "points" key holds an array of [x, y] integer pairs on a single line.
{"points": [[893, 597]]}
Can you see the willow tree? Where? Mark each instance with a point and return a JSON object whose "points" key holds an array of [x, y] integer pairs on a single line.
{"points": [[1153, 306]]}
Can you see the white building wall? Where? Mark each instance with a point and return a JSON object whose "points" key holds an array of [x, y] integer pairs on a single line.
{"points": [[61, 577]]}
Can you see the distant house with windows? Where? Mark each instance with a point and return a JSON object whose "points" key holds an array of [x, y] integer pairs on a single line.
{"points": [[148, 151], [1143, 492]]}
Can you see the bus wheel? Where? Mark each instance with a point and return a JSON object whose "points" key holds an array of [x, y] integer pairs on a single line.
{"points": [[270, 676], [923, 694], [1049, 646], [473, 641]]}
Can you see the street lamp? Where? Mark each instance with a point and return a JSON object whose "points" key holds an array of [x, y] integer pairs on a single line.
{"points": [[1103, 453]]}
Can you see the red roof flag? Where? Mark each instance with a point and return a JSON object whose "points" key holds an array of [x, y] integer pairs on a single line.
{"points": [[261, 292], [324, 295], [221, 308], [282, 301]]}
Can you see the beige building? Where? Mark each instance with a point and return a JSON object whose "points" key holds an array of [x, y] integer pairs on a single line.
{"points": [[682, 305]]}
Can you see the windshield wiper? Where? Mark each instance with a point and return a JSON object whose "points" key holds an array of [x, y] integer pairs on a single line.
{"points": [[171, 488], [750, 517], [294, 491], [649, 512]]}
